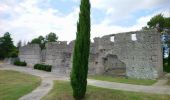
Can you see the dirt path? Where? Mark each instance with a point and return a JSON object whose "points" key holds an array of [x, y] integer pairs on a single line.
{"points": [[47, 83]]}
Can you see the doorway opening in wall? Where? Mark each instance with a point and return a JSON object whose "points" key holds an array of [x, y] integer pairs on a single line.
{"points": [[113, 66]]}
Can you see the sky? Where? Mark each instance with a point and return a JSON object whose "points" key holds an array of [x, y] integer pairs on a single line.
{"points": [[28, 19]]}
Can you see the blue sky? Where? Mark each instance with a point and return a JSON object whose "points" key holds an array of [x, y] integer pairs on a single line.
{"points": [[27, 19]]}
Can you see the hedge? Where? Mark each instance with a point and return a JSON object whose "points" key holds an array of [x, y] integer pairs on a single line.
{"points": [[43, 67], [20, 63]]}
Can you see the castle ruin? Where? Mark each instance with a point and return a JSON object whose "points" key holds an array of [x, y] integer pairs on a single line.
{"points": [[133, 54]]}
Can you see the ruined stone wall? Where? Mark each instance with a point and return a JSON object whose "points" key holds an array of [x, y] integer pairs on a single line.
{"points": [[140, 58], [31, 54], [58, 55], [143, 57]]}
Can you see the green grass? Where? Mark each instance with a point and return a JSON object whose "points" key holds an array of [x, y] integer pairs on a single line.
{"points": [[63, 91], [123, 80], [15, 84]]}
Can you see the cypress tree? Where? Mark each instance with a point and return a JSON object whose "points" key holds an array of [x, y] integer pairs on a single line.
{"points": [[81, 52]]}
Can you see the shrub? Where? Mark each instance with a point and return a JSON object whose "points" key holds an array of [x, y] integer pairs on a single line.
{"points": [[20, 63], [36, 66], [48, 68], [44, 67]]}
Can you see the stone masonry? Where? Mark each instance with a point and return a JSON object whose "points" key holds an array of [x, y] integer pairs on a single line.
{"points": [[133, 54]]}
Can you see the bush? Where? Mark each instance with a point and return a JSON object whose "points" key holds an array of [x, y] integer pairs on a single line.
{"points": [[44, 67], [20, 63]]}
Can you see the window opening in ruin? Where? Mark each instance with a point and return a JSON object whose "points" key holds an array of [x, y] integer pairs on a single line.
{"points": [[112, 39], [133, 37]]}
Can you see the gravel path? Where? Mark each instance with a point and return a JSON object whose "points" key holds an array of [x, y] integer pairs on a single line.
{"points": [[48, 78]]}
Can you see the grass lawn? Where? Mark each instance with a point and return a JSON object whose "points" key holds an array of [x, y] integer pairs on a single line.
{"points": [[14, 84], [123, 80], [63, 91]]}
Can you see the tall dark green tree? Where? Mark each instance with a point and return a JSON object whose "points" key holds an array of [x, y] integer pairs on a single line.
{"points": [[7, 48], [81, 52], [1, 48]]}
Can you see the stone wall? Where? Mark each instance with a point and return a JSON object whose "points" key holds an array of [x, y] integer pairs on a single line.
{"points": [[137, 57], [30, 54], [58, 54], [143, 57]]}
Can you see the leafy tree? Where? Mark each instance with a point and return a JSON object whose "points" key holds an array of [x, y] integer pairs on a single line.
{"points": [[164, 22], [7, 47], [167, 22], [1, 48], [40, 40], [51, 37], [154, 21], [81, 52]]}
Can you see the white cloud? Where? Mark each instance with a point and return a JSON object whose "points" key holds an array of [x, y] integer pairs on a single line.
{"points": [[29, 21], [124, 8], [104, 28]]}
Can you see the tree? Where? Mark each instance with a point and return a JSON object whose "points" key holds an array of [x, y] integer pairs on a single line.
{"points": [[40, 40], [51, 37], [7, 48], [1, 48], [81, 52], [167, 22], [157, 20], [164, 23]]}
